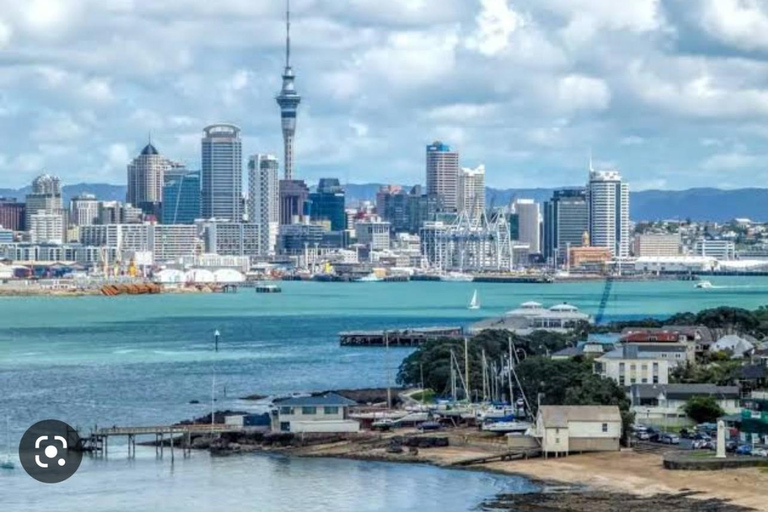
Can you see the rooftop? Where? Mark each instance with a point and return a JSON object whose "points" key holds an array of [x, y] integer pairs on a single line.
{"points": [[328, 399], [558, 416]]}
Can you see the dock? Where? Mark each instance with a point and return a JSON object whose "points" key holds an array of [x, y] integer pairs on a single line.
{"points": [[98, 441], [405, 337], [499, 457]]}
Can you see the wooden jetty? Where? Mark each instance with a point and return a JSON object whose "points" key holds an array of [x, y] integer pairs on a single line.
{"points": [[98, 441], [499, 457], [406, 337]]}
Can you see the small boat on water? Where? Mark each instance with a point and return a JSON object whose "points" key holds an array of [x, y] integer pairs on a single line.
{"points": [[370, 278], [475, 302], [456, 277], [703, 284]]}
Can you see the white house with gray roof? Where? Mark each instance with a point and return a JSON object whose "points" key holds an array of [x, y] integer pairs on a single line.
{"points": [[328, 413], [662, 404], [564, 429]]}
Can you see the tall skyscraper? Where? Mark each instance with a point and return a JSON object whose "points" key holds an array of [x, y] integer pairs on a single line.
{"points": [[566, 219], [443, 175], [288, 100], [608, 200], [12, 214], [181, 198], [529, 224], [471, 191], [327, 204], [45, 198], [264, 199], [146, 177], [222, 174]]}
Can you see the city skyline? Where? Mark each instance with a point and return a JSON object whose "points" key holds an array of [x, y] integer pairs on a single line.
{"points": [[660, 116]]}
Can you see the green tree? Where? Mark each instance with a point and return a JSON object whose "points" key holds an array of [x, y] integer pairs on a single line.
{"points": [[703, 409]]}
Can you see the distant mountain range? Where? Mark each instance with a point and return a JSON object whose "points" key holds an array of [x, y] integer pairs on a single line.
{"points": [[697, 203]]}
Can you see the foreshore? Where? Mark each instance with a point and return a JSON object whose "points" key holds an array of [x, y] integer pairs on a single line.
{"points": [[608, 481]]}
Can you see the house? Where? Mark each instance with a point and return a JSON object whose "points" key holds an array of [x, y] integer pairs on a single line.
{"points": [[631, 364], [733, 344], [662, 404], [328, 413], [564, 429], [583, 349], [700, 335], [249, 422], [754, 418]]}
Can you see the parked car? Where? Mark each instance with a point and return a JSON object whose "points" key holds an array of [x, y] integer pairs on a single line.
{"points": [[701, 437], [653, 434], [669, 439], [760, 452], [730, 446], [643, 435], [745, 449], [704, 445], [686, 434]]}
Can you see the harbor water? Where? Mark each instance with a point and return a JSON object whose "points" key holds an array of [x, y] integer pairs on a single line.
{"points": [[141, 360]]}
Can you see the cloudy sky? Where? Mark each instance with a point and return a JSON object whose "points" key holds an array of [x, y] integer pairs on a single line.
{"points": [[674, 93]]}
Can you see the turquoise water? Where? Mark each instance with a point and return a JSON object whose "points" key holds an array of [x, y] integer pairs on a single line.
{"points": [[141, 360]]}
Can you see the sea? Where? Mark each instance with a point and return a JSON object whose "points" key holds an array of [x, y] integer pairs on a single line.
{"points": [[149, 360]]}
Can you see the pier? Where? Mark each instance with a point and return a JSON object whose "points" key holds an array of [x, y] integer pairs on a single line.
{"points": [[98, 441], [406, 337]]}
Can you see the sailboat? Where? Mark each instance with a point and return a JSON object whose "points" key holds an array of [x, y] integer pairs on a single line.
{"points": [[475, 302], [7, 463]]}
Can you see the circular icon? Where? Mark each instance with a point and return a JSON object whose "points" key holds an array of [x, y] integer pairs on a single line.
{"points": [[50, 451]]}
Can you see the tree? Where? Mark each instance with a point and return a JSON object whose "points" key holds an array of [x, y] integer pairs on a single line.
{"points": [[703, 409]]}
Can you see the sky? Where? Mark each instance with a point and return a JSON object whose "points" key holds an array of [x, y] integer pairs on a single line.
{"points": [[673, 93]]}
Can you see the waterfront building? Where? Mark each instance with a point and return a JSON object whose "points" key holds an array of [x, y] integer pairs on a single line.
{"points": [[295, 239], [631, 364], [654, 265], [528, 223], [288, 100], [232, 239], [222, 173], [181, 198], [608, 202], [146, 177], [328, 413], [83, 210], [55, 253], [533, 316], [564, 429], [47, 227], [12, 214], [374, 234], [327, 204], [443, 175], [719, 249], [166, 242], [264, 199], [471, 191], [214, 262], [657, 245], [663, 404], [566, 219], [294, 198]]}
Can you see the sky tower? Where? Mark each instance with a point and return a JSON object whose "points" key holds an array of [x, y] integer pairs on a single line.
{"points": [[288, 99]]}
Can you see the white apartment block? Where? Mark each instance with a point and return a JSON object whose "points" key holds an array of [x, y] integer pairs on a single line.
{"points": [[264, 199], [46, 227], [719, 249], [166, 242], [373, 233], [232, 239]]}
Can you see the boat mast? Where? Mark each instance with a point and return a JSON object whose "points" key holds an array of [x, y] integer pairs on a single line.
{"points": [[466, 369]]}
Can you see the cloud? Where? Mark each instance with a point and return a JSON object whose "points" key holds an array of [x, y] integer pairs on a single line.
{"points": [[740, 23], [579, 92], [495, 23]]}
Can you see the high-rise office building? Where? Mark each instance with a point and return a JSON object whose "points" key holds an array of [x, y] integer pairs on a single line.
{"points": [[327, 204], [608, 201], [288, 100], [264, 199], [47, 227], [529, 224], [83, 210], [181, 198], [232, 239], [471, 191], [44, 198], [12, 214], [566, 219], [222, 174], [146, 177], [294, 198], [443, 175]]}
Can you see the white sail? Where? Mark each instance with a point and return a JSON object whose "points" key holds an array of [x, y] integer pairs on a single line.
{"points": [[475, 302]]}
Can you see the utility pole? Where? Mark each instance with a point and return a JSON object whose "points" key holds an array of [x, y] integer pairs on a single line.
{"points": [[213, 380], [509, 372], [386, 365], [466, 369]]}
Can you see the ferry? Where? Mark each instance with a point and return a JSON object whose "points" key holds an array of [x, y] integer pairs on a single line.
{"points": [[456, 277], [704, 284], [370, 278]]}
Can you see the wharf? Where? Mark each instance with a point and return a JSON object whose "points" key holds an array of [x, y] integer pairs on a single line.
{"points": [[407, 337], [513, 279]]}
